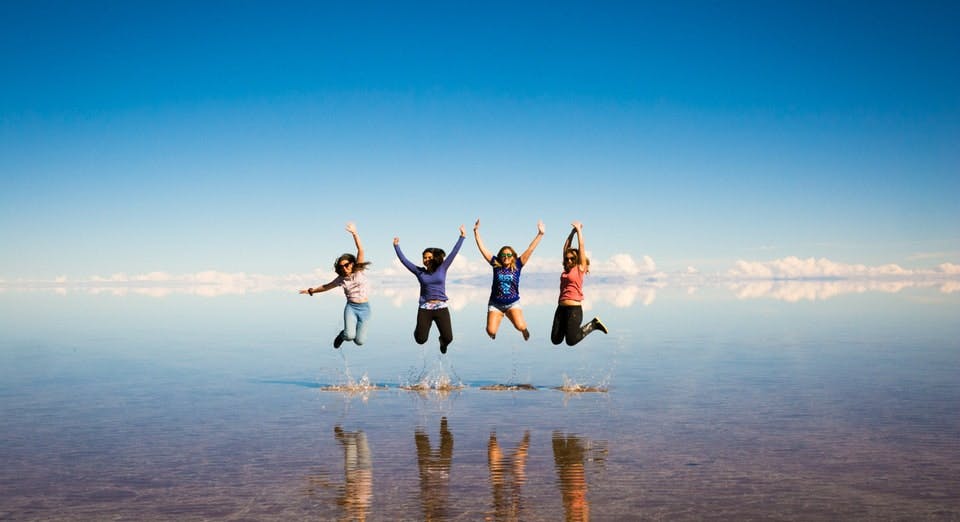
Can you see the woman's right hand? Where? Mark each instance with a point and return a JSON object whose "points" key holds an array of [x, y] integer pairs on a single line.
{"points": [[396, 241]]}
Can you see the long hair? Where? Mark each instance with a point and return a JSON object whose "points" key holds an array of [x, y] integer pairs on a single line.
{"points": [[357, 267], [438, 255], [506, 248], [576, 261]]}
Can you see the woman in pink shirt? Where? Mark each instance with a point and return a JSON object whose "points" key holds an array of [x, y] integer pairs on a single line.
{"points": [[353, 280], [569, 314]]}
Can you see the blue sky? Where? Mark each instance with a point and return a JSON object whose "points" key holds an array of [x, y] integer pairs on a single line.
{"points": [[180, 137]]}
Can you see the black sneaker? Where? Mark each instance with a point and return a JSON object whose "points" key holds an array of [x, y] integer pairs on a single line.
{"points": [[338, 340], [599, 325], [443, 347], [526, 334]]}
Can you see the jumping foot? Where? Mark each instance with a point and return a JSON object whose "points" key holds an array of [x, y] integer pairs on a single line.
{"points": [[599, 325]]}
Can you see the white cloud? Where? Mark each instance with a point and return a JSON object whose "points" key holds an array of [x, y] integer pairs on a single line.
{"points": [[621, 280], [812, 268], [949, 268], [794, 279]]}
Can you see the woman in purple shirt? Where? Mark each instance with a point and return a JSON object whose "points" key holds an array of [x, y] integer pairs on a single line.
{"points": [[433, 285], [505, 289]]}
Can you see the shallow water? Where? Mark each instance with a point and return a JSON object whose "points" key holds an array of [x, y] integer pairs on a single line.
{"points": [[706, 405]]}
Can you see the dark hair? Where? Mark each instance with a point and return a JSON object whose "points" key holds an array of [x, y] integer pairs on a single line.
{"points": [[496, 261], [357, 267], [575, 252], [438, 255]]}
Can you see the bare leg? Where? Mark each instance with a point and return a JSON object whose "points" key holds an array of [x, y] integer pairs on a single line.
{"points": [[516, 317], [493, 323]]}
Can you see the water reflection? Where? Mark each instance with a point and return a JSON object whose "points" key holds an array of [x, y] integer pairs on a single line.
{"points": [[358, 474], [507, 477], [569, 457], [434, 466]]}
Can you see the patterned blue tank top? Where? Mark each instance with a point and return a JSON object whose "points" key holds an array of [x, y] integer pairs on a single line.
{"points": [[506, 283]]}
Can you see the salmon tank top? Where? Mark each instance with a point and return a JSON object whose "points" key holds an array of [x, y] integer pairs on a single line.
{"points": [[571, 285]]}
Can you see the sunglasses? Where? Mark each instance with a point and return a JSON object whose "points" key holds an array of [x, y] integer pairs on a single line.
{"points": [[345, 264], [506, 254]]}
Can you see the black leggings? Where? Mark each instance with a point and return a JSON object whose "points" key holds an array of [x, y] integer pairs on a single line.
{"points": [[566, 325], [441, 317]]}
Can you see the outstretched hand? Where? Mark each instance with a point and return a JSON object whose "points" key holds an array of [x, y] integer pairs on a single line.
{"points": [[540, 228], [577, 225], [351, 228], [463, 231], [476, 226], [396, 241]]}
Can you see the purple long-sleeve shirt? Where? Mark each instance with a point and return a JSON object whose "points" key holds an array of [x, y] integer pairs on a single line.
{"points": [[433, 286]]}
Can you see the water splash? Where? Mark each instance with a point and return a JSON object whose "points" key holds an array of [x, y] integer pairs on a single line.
{"points": [[442, 383], [570, 385], [361, 386], [440, 377]]}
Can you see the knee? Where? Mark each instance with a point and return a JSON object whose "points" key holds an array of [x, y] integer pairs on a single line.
{"points": [[420, 339], [491, 331]]}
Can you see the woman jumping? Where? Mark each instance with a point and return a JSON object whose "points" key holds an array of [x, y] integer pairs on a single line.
{"points": [[433, 285], [566, 320], [505, 289], [350, 276]]}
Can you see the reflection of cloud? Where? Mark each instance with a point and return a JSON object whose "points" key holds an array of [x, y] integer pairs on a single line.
{"points": [[812, 268], [950, 287], [794, 291], [793, 279], [621, 281]]}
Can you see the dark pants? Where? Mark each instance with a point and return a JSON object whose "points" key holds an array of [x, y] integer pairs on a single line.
{"points": [[566, 325], [441, 317]]}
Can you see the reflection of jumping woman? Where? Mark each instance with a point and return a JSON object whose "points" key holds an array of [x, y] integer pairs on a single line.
{"points": [[350, 276], [569, 314], [433, 284], [505, 289]]}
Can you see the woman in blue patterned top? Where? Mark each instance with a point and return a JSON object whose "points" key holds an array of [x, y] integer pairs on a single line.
{"points": [[433, 290], [505, 289]]}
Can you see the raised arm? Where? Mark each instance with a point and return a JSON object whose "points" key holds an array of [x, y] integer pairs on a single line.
{"points": [[456, 248], [569, 242], [533, 244], [476, 235], [403, 259], [578, 228], [356, 240]]}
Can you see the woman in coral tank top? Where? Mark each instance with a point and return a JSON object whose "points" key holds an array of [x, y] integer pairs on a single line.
{"points": [[569, 314]]}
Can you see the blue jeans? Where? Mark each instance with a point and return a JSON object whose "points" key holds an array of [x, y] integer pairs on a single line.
{"points": [[355, 317]]}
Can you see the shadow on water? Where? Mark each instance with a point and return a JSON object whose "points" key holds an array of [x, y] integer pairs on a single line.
{"points": [[301, 383]]}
